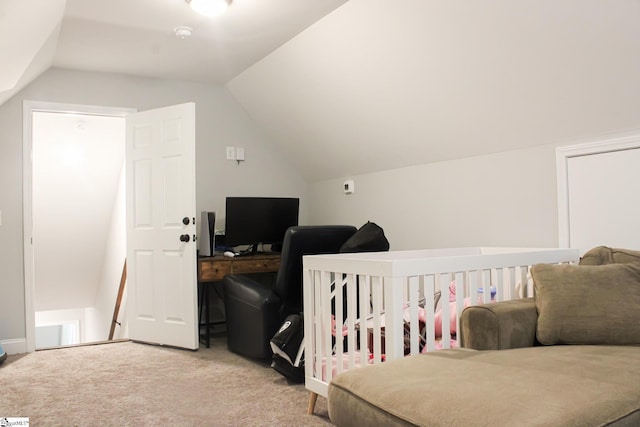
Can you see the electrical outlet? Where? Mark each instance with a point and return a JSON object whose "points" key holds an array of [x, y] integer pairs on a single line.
{"points": [[231, 153], [239, 153], [349, 187]]}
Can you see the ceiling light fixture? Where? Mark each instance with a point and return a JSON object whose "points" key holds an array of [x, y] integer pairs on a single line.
{"points": [[209, 7]]}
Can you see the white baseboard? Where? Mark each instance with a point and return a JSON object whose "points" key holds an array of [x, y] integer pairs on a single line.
{"points": [[15, 346]]}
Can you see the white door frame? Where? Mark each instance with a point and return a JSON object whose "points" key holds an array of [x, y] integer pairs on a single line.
{"points": [[563, 154], [28, 108]]}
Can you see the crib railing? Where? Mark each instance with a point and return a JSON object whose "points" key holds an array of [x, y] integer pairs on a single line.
{"points": [[366, 308]]}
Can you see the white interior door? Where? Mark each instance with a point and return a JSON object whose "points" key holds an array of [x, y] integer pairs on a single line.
{"points": [[604, 200], [161, 252], [599, 194]]}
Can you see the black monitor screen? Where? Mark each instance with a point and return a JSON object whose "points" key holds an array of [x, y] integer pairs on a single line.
{"points": [[255, 220]]}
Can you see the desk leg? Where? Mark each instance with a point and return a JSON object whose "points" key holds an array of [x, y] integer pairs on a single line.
{"points": [[203, 302], [206, 315]]}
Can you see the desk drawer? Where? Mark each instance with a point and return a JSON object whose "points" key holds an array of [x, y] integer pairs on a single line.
{"points": [[214, 271], [248, 265]]}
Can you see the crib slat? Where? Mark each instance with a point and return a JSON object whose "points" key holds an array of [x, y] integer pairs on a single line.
{"points": [[442, 284], [413, 308], [352, 314], [325, 303], [394, 325], [429, 291], [460, 284], [524, 273], [310, 327], [500, 293], [319, 322], [512, 283], [473, 285], [377, 316], [339, 319], [365, 311], [486, 286]]}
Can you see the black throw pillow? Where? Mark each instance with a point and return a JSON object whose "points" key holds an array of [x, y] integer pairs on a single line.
{"points": [[369, 238]]}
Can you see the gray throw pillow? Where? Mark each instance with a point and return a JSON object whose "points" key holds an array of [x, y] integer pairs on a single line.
{"points": [[587, 304]]}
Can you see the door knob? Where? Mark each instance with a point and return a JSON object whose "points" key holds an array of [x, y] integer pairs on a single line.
{"points": [[184, 238], [185, 220]]}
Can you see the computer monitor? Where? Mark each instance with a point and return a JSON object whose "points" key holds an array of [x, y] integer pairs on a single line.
{"points": [[257, 220]]}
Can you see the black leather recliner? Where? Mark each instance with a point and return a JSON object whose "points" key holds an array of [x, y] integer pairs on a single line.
{"points": [[254, 310]]}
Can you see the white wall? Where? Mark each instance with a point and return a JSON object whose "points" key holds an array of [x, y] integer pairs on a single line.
{"points": [[111, 271], [94, 326], [503, 199], [220, 122]]}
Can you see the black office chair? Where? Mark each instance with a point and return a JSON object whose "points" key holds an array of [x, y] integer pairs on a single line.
{"points": [[254, 310]]}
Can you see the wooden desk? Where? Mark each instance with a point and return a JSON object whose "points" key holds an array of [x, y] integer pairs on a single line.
{"points": [[212, 270]]}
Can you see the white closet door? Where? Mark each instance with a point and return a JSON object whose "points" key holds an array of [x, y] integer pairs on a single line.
{"points": [[604, 200]]}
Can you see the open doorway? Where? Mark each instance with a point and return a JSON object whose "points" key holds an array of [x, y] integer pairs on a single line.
{"points": [[78, 225], [159, 183]]}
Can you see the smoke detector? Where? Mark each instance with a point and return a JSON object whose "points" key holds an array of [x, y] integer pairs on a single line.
{"points": [[183, 31]]}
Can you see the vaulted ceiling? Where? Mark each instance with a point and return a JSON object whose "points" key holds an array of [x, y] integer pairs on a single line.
{"points": [[137, 37], [350, 87]]}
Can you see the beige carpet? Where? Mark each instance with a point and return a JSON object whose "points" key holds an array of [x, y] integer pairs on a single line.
{"points": [[132, 384]]}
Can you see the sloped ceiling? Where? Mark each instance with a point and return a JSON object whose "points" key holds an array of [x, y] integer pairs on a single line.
{"points": [[25, 56], [350, 87], [379, 84], [137, 37]]}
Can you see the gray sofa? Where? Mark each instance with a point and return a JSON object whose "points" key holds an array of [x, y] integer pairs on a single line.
{"points": [[569, 357]]}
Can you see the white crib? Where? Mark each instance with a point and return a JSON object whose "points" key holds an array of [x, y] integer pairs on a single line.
{"points": [[402, 300]]}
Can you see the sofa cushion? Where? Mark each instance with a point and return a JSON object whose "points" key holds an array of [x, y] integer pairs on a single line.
{"points": [[587, 304], [498, 326], [548, 386], [604, 255]]}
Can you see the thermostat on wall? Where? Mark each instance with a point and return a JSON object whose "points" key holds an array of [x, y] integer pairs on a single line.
{"points": [[349, 187]]}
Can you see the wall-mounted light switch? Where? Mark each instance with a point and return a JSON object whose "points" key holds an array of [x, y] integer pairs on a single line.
{"points": [[231, 153]]}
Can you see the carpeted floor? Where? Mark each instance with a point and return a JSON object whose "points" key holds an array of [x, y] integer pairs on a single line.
{"points": [[132, 384]]}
